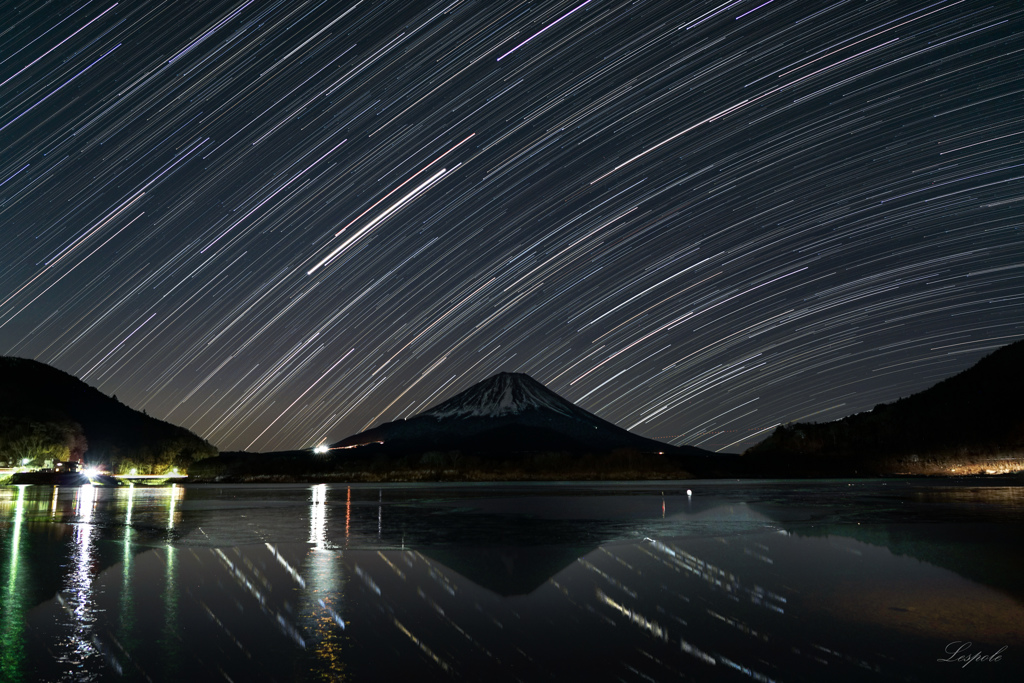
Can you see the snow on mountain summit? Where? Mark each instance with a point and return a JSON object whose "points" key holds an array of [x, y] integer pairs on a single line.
{"points": [[507, 393], [504, 414]]}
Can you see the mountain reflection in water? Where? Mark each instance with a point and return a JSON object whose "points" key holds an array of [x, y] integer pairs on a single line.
{"points": [[763, 581]]}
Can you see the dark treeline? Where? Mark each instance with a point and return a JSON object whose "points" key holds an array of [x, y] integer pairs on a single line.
{"points": [[49, 415], [363, 464], [970, 423]]}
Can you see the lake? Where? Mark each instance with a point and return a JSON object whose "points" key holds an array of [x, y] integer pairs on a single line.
{"points": [[886, 580]]}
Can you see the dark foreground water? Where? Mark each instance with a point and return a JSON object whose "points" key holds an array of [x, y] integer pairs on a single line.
{"points": [[764, 581]]}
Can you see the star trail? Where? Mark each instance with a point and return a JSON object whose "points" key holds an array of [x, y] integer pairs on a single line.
{"points": [[279, 223]]}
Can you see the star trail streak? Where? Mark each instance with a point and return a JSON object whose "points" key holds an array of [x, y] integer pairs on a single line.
{"points": [[278, 224]]}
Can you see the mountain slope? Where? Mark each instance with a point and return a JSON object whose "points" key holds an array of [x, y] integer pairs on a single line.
{"points": [[508, 413], [506, 393], [48, 414], [976, 415]]}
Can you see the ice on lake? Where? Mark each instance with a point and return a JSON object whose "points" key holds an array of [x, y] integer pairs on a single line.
{"points": [[765, 581]]}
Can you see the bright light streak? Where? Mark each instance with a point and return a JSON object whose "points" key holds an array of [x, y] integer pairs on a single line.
{"points": [[404, 183], [78, 589], [544, 29], [755, 9], [195, 43], [318, 517], [321, 448], [12, 578], [175, 493], [422, 187]]}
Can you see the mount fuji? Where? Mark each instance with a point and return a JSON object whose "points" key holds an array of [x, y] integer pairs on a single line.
{"points": [[507, 413]]}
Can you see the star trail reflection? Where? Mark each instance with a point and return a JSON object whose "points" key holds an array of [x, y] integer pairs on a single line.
{"points": [[589, 581], [277, 224]]}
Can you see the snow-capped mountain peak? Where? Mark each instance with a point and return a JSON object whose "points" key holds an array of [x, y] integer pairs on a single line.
{"points": [[507, 413], [507, 393]]}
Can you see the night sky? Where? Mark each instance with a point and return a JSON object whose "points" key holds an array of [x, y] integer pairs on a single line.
{"points": [[276, 223]]}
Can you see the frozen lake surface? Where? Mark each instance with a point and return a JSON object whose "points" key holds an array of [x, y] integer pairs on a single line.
{"points": [[884, 580]]}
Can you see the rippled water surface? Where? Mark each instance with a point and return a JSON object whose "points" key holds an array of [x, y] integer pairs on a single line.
{"points": [[766, 581]]}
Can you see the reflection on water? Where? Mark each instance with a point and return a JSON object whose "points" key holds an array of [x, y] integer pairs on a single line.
{"points": [[12, 610], [321, 603], [76, 648], [995, 497], [126, 607], [764, 582]]}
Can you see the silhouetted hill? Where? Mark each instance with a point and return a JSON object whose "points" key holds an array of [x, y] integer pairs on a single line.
{"points": [[47, 414], [973, 422]]}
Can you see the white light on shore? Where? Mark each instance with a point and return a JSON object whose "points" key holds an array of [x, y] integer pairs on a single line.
{"points": [[321, 448]]}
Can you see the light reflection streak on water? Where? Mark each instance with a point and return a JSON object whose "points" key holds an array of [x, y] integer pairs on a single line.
{"points": [[170, 641], [707, 602], [758, 595], [12, 618], [318, 517], [287, 566], [176, 493], [423, 646], [635, 617], [322, 594], [77, 598], [264, 596], [127, 615]]}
